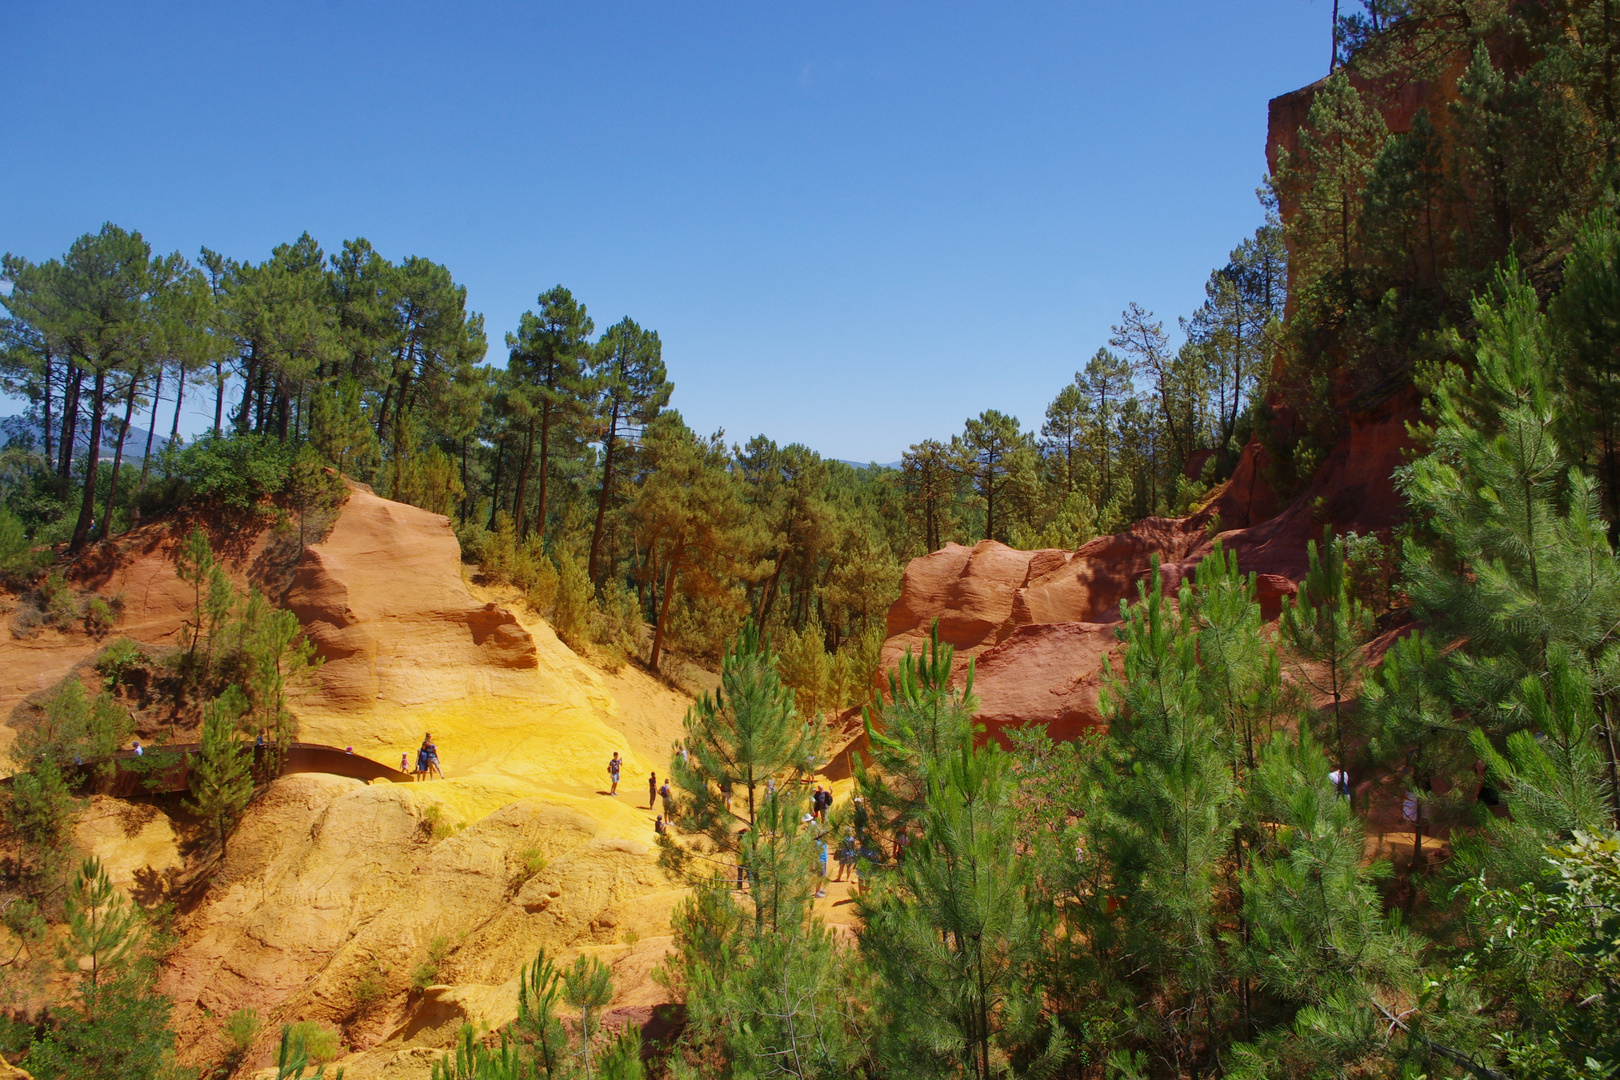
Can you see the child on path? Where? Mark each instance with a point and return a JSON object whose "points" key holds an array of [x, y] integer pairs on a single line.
{"points": [[614, 764]]}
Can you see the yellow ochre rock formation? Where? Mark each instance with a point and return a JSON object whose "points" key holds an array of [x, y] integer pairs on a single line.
{"points": [[394, 913]]}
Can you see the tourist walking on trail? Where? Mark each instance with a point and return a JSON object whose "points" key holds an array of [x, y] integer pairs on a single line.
{"points": [[614, 765], [405, 764], [669, 809], [652, 789], [846, 856], [429, 758]]}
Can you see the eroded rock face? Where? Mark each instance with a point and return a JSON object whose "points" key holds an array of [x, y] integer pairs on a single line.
{"points": [[1038, 625], [382, 592], [330, 884]]}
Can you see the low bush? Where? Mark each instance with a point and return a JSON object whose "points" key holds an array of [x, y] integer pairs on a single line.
{"points": [[368, 991], [236, 471], [18, 558], [117, 658], [56, 600], [319, 1041], [101, 615], [240, 1029], [426, 973]]}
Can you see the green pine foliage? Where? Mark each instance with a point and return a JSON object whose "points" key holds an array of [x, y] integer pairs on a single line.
{"points": [[221, 778], [118, 1024]]}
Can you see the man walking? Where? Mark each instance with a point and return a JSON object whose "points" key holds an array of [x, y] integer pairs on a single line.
{"points": [[614, 765], [652, 789]]}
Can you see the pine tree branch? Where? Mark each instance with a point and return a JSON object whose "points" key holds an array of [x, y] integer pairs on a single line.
{"points": [[1456, 1057]]}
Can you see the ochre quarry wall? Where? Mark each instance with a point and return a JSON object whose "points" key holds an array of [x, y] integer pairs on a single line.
{"points": [[1039, 624], [332, 892]]}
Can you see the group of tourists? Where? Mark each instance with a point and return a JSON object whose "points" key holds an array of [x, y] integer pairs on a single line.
{"points": [[427, 760], [856, 847]]}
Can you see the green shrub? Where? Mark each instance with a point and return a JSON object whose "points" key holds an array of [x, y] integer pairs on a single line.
{"points": [[533, 862], [319, 1041], [57, 601], [575, 602], [240, 1029], [234, 470], [426, 973], [17, 555], [117, 658], [476, 543], [438, 825], [99, 617], [368, 990], [617, 624]]}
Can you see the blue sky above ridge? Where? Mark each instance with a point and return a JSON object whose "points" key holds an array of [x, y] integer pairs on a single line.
{"points": [[852, 226]]}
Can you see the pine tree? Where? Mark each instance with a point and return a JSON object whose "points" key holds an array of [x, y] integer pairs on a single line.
{"points": [[630, 387], [1519, 559], [1327, 626], [548, 354], [339, 431], [984, 451], [588, 987], [1317, 940], [120, 1028], [539, 991], [221, 782], [747, 731], [1167, 817], [105, 934], [930, 484], [1108, 384], [952, 931]]}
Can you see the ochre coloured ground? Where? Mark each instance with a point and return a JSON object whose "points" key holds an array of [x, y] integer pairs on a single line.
{"points": [[332, 892]]}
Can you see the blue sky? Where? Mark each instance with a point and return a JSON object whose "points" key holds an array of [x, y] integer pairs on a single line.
{"points": [[853, 225]]}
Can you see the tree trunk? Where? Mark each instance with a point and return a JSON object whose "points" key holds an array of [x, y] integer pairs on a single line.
{"points": [[70, 421], [118, 453], [263, 398], [92, 462], [47, 421], [545, 469], [495, 488], [250, 380], [663, 611], [519, 507], [466, 489], [1614, 768], [179, 397], [219, 399], [146, 458], [1333, 57], [609, 443]]}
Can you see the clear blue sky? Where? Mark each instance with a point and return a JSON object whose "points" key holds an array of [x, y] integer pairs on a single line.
{"points": [[853, 225]]}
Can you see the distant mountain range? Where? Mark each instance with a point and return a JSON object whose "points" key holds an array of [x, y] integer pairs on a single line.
{"points": [[866, 464], [22, 429]]}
